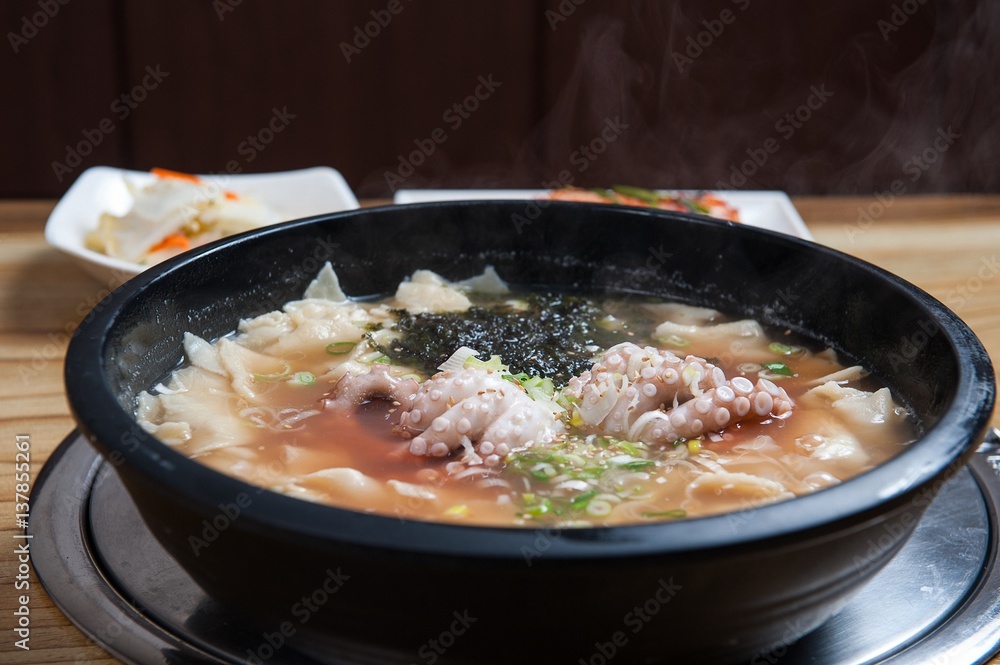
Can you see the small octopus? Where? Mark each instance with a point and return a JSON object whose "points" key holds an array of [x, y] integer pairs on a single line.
{"points": [[459, 408], [474, 409], [652, 395]]}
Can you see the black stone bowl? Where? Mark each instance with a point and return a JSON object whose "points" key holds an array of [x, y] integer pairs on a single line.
{"points": [[344, 586]]}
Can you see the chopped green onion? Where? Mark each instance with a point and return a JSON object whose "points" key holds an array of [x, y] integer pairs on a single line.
{"points": [[778, 368], [303, 378], [599, 507], [530, 456], [494, 363], [629, 448], [543, 471], [382, 360], [679, 442], [340, 348], [667, 513], [539, 387], [461, 510], [638, 464], [676, 341], [580, 502], [568, 402], [605, 193], [543, 508], [516, 378], [644, 195], [586, 473], [784, 349]]}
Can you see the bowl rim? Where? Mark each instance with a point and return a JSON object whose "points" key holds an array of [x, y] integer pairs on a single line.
{"points": [[921, 468]]}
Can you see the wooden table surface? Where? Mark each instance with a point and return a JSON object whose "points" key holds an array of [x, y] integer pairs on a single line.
{"points": [[949, 246]]}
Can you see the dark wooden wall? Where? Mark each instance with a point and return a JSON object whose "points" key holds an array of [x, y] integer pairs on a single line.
{"points": [[874, 85]]}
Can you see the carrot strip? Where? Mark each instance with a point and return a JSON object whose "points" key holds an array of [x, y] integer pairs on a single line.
{"points": [[167, 173], [172, 241]]}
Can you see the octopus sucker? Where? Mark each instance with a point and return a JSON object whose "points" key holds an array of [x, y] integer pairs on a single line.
{"points": [[741, 406]]}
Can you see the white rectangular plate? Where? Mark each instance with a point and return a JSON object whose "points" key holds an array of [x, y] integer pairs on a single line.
{"points": [[292, 194], [765, 209]]}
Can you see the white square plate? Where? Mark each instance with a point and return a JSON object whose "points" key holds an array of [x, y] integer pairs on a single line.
{"points": [[765, 209], [292, 194]]}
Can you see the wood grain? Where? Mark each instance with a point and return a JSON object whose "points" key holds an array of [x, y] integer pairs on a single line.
{"points": [[947, 245]]}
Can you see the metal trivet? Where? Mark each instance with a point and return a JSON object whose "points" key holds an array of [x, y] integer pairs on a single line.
{"points": [[938, 600]]}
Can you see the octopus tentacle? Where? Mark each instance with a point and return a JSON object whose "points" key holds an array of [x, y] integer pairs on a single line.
{"points": [[443, 391], [736, 401], [379, 383], [475, 408], [629, 381]]}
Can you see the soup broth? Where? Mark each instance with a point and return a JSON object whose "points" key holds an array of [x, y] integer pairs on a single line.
{"points": [[570, 411]]}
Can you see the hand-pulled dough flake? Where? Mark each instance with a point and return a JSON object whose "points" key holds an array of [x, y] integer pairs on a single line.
{"points": [[859, 406], [203, 354], [326, 286], [488, 283], [341, 482], [428, 292], [720, 492], [742, 328]]}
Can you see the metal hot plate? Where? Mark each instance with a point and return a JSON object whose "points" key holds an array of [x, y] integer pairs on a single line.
{"points": [[937, 602]]}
